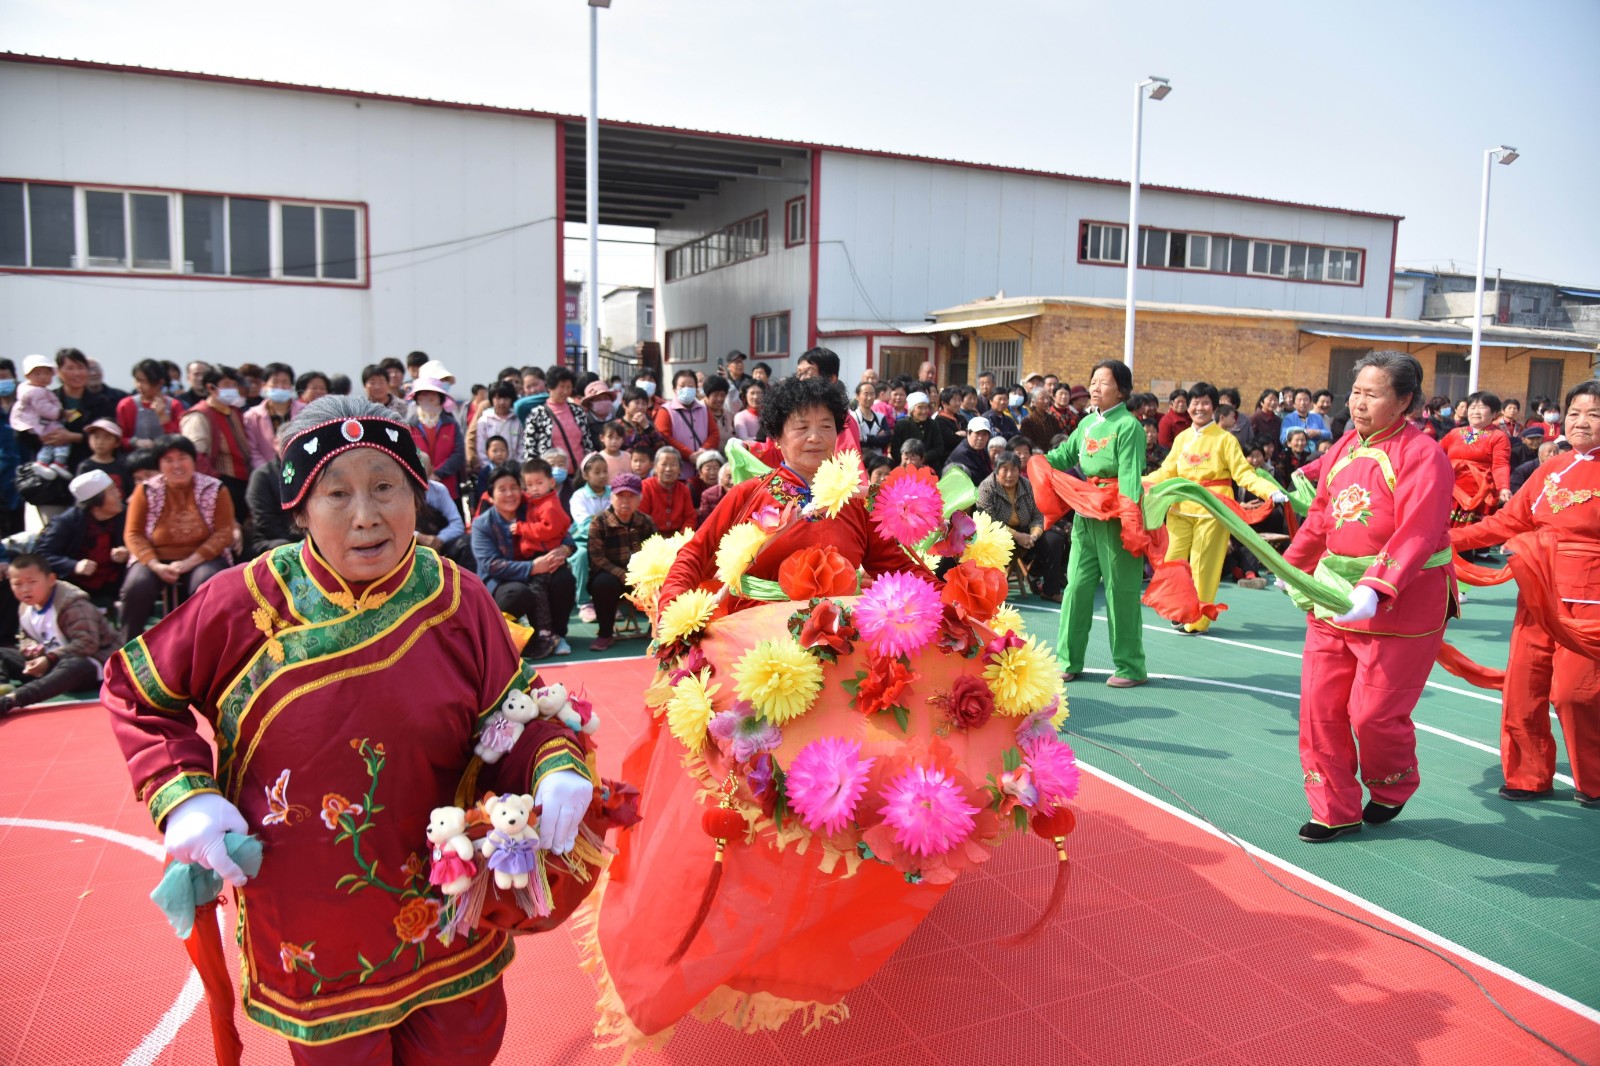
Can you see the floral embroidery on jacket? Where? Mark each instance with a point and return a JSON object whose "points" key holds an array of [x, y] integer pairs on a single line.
{"points": [[1392, 779], [1353, 504], [1092, 445], [1559, 498]]}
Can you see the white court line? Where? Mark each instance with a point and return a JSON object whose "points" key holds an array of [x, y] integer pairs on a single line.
{"points": [[1582, 1010], [189, 996]]}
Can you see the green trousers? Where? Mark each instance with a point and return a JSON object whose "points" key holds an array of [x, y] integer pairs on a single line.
{"points": [[1098, 554]]}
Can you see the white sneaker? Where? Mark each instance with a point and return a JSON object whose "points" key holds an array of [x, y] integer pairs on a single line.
{"points": [[586, 613], [46, 472], [562, 647]]}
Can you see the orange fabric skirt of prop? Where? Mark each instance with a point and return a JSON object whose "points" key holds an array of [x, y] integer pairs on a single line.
{"points": [[790, 931]]}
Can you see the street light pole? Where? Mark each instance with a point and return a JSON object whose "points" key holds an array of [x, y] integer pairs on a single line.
{"points": [[1507, 156], [591, 181], [1159, 88]]}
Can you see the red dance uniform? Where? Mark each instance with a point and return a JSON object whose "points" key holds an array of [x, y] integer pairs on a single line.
{"points": [[1387, 497], [1562, 495], [342, 716], [1481, 459]]}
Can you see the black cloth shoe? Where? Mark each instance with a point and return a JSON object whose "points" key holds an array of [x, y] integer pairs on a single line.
{"points": [[9, 704], [1317, 833], [1523, 795], [1583, 799], [1375, 813]]}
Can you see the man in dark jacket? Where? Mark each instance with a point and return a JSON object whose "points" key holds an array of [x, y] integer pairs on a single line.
{"points": [[972, 454], [83, 544]]}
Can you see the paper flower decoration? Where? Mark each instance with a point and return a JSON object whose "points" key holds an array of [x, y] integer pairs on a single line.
{"points": [[779, 678], [908, 506], [991, 544], [1055, 771], [816, 571], [884, 684], [1023, 679], [1008, 620], [898, 615], [685, 616], [742, 734], [648, 567], [826, 781], [955, 538], [689, 709], [737, 550], [927, 810], [979, 590], [837, 480]]}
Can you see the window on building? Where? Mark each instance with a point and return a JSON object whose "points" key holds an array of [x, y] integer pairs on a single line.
{"points": [[1344, 266], [1342, 372], [1269, 258], [1102, 243], [339, 257], [1199, 257], [13, 224], [900, 362], [1152, 247], [107, 230], [1545, 379], [150, 218], [770, 336], [733, 243], [794, 222], [1450, 374], [52, 225], [686, 345], [249, 237], [1003, 359], [205, 229], [649, 314], [299, 224]]}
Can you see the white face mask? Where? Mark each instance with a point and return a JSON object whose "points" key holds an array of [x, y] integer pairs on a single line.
{"points": [[230, 397], [280, 395], [428, 410], [686, 395], [649, 387], [1552, 417]]}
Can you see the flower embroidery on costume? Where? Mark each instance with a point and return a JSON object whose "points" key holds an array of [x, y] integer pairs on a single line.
{"points": [[1196, 458], [292, 956], [1559, 498], [1392, 779], [334, 805], [1353, 504], [1312, 777], [1092, 445], [1385, 561], [279, 810]]}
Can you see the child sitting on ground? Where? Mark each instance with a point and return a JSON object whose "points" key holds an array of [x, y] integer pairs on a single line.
{"points": [[64, 639], [618, 461], [641, 461]]}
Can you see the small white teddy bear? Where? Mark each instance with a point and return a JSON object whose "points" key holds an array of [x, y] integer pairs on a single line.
{"points": [[505, 725], [576, 713], [452, 867], [512, 845]]}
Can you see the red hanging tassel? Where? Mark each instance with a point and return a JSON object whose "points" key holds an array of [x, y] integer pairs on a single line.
{"points": [[205, 951], [1053, 827], [721, 823]]}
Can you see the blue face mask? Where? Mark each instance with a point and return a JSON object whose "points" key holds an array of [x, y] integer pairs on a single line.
{"points": [[8, 388], [686, 395], [280, 395], [1018, 401], [559, 473]]}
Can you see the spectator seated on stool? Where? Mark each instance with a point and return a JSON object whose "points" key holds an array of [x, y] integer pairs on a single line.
{"points": [[615, 535], [83, 544], [64, 639]]}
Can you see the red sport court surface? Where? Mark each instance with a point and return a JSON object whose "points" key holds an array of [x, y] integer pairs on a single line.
{"points": [[1172, 947]]}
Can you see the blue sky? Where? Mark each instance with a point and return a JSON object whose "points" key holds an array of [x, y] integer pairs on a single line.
{"points": [[1380, 106]]}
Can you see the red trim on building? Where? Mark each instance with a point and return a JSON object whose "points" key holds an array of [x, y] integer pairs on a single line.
{"points": [[561, 250], [805, 222], [710, 134], [1394, 249], [815, 233], [1360, 282]]}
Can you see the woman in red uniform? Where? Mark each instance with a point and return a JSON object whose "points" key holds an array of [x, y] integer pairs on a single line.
{"points": [[1380, 523], [1563, 497], [1480, 455]]}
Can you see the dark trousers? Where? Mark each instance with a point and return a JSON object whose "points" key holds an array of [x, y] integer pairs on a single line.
{"points": [[141, 588], [72, 674], [1044, 561], [545, 600], [462, 1032], [606, 591]]}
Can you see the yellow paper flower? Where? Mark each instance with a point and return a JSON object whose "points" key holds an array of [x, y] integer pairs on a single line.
{"points": [[689, 709], [991, 545], [779, 678], [737, 550], [648, 567], [1008, 620], [1023, 680], [685, 616], [837, 480]]}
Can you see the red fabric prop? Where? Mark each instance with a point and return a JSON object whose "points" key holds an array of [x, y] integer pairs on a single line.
{"points": [[1474, 490], [1456, 662], [814, 572], [1171, 594], [205, 951], [1470, 573]]}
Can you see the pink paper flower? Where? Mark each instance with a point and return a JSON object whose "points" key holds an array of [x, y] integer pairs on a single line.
{"points": [[742, 734], [927, 810], [826, 781], [908, 506], [1055, 771], [954, 542], [692, 664], [1039, 724], [899, 614]]}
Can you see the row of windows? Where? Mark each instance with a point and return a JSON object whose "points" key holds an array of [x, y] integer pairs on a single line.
{"points": [[66, 227], [769, 339], [733, 243], [1105, 242]]}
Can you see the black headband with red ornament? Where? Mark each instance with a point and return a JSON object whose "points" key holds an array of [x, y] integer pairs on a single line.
{"points": [[312, 449]]}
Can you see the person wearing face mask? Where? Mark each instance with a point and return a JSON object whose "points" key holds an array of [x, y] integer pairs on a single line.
{"points": [[263, 421], [437, 433], [217, 430], [600, 403], [685, 421]]}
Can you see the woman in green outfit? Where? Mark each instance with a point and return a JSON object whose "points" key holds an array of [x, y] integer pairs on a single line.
{"points": [[1108, 447]]}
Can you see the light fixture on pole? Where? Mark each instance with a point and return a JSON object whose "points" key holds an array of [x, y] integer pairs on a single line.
{"points": [[1159, 88], [591, 181], [1507, 155]]}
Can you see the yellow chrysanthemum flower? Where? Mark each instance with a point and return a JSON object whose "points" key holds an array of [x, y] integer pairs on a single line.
{"points": [[737, 550], [779, 678], [648, 567], [685, 616], [1008, 620], [1059, 719], [689, 709], [837, 480], [991, 545], [1023, 680]]}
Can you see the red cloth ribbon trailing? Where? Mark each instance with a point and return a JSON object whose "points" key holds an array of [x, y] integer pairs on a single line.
{"points": [[205, 951], [1473, 489]]}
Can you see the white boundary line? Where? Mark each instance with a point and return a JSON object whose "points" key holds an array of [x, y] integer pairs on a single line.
{"points": [[1582, 1010], [189, 996]]}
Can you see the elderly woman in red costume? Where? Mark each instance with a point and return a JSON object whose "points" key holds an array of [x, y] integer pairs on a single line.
{"points": [[1555, 640], [1380, 525], [345, 680], [1480, 454]]}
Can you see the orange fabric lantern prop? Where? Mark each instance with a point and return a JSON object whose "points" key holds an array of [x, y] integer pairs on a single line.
{"points": [[816, 571]]}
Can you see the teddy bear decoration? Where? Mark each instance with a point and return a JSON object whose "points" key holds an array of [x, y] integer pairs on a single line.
{"points": [[452, 869]]}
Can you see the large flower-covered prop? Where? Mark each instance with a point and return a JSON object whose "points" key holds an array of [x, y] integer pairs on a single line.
{"points": [[649, 566], [978, 590], [838, 480], [736, 550], [1022, 674], [689, 709], [908, 506], [816, 571], [991, 545], [826, 781], [899, 614]]}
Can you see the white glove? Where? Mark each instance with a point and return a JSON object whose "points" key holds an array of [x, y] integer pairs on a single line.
{"points": [[1279, 497], [1363, 605], [563, 799], [194, 834]]}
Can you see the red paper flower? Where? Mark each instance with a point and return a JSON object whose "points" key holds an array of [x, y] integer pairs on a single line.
{"points": [[979, 590], [816, 571], [956, 634], [825, 627], [970, 702], [886, 680]]}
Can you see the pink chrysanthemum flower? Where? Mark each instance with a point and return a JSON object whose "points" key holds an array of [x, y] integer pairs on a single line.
{"points": [[927, 810], [908, 506], [899, 614], [1055, 771], [826, 781], [742, 733]]}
